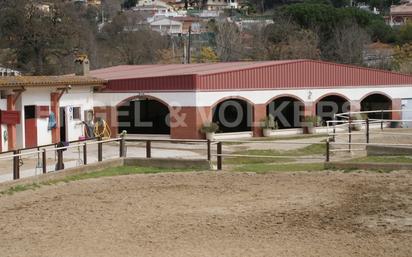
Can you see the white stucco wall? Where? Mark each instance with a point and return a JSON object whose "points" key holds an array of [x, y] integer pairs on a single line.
{"points": [[76, 97], [38, 97], [307, 95], [255, 96], [171, 98]]}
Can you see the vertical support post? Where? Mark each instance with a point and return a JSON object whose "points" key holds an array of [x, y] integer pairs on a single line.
{"points": [[209, 154], [16, 165], [350, 133], [327, 150], [85, 154], [219, 156], [44, 161], [60, 164], [122, 143], [367, 131], [381, 119], [148, 149], [99, 150], [334, 128]]}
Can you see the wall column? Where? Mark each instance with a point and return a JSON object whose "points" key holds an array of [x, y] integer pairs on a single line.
{"points": [[397, 105], [355, 106], [55, 108], [11, 128], [186, 122], [310, 109], [259, 113]]}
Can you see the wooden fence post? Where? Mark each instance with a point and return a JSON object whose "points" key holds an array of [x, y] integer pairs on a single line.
{"points": [[209, 154], [16, 165], [100, 150], [122, 150], [148, 149], [44, 161], [327, 150], [85, 154], [60, 164], [367, 131], [350, 133], [219, 156]]}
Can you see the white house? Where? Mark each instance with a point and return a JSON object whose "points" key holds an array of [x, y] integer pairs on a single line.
{"points": [[8, 72], [167, 26]]}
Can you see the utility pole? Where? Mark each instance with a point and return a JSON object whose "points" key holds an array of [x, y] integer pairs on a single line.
{"points": [[189, 44]]}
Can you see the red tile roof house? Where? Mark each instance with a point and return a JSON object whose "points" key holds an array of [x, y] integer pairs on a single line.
{"points": [[194, 94]]}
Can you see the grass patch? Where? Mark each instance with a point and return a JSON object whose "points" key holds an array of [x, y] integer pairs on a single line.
{"points": [[110, 172], [282, 167], [383, 159], [20, 188], [314, 149], [121, 170], [274, 138]]}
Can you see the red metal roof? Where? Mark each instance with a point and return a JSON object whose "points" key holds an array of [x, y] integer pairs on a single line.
{"points": [[245, 76]]}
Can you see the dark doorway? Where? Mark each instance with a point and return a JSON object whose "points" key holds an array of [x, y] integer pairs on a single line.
{"points": [[233, 115], [62, 119], [144, 116], [287, 111], [328, 106], [377, 102]]}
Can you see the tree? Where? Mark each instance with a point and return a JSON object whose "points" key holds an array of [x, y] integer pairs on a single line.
{"points": [[41, 39], [134, 43], [403, 58], [301, 44], [326, 18], [228, 42], [207, 55], [111, 8], [347, 44], [405, 34]]}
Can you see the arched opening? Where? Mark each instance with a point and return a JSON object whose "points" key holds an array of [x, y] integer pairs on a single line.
{"points": [[377, 102], [287, 111], [233, 115], [328, 106], [143, 116]]}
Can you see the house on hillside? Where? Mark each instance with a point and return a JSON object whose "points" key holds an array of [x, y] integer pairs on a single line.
{"points": [[8, 72], [189, 22], [400, 14], [167, 26], [220, 4]]}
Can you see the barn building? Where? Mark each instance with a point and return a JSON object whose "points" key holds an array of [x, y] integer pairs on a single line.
{"points": [[178, 99]]}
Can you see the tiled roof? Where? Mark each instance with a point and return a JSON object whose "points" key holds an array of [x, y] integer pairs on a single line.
{"points": [[38, 81]]}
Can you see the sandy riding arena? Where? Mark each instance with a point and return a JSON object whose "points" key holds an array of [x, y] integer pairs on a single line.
{"points": [[213, 214]]}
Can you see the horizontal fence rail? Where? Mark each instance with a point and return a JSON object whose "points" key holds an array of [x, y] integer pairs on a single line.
{"points": [[44, 151]]}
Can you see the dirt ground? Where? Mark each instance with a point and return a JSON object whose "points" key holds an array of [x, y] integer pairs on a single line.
{"points": [[213, 214]]}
